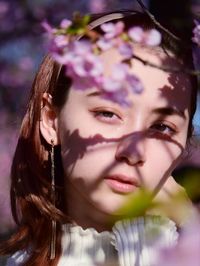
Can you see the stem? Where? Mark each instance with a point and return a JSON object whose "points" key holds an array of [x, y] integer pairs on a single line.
{"points": [[156, 22]]}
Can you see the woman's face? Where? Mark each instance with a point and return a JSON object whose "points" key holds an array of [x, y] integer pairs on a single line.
{"points": [[109, 152]]}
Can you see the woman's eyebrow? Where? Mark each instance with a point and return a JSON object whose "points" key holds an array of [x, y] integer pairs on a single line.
{"points": [[95, 93], [169, 110]]}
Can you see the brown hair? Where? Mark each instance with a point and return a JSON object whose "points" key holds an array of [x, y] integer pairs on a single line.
{"points": [[31, 202]]}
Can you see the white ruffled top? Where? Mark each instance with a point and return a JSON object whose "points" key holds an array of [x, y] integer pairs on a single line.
{"points": [[130, 243], [139, 241], [86, 247]]}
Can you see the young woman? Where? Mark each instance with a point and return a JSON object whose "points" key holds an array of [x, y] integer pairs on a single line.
{"points": [[99, 153]]}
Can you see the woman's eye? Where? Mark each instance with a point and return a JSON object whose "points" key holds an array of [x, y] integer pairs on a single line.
{"points": [[106, 115], [163, 128]]}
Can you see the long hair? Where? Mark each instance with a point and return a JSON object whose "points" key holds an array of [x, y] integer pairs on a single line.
{"points": [[31, 202]]}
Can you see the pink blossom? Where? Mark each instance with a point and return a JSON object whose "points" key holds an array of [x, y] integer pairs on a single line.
{"points": [[120, 72], [146, 37], [126, 50], [81, 47], [87, 66], [57, 41], [119, 97], [120, 83], [112, 30], [111, 85], [61, 50], [65, 23], [134, 84], [65, 52], [196, 32], [47, 27], [186, 252], [61, 41], [136, 34], [85, 71], [105, 44], [129, 81], [62, 59], [153, 37], [116, 81]]}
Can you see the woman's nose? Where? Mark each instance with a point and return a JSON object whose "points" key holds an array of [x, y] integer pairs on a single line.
{"points": [[131, 149]]}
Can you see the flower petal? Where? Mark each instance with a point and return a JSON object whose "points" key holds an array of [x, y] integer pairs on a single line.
{"points": [[134, 83], [136, 34], [104, 44], [119, 72], [153, 37], [126, 50], [65, 23]]}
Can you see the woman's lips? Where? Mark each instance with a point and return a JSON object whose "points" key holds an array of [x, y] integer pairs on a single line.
{"points": [[121, 183]]}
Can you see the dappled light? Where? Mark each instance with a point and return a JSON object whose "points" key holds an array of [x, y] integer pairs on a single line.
{"points": [[105, 167]]}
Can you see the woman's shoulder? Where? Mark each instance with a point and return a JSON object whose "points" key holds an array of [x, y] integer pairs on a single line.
{"points": [[17, 258]]}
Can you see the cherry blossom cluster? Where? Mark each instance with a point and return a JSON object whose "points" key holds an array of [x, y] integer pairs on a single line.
{"points": [[80, 56]]}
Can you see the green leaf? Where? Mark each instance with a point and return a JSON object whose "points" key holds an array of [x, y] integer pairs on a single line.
{"points": [[79, 24], [137, 204], [86, 20]]}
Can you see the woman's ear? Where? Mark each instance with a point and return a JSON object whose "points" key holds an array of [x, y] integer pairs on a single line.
{"points": [[49, 120]]}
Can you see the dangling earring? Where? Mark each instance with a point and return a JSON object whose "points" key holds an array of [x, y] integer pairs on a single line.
{"points": [[53, 222]]}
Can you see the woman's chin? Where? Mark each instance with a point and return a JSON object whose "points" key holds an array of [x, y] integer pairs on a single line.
{"points": [[114, 208]]}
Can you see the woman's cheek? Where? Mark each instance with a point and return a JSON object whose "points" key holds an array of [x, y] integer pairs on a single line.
{"points": [[168, 150], [101, 155], [161, 160]]}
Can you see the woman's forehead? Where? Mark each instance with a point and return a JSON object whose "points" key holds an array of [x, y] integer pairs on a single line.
{"points": [[171, 86], [153, 55]]}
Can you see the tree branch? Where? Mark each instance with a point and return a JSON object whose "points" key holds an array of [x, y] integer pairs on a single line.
{"points": [[151, 16]]}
